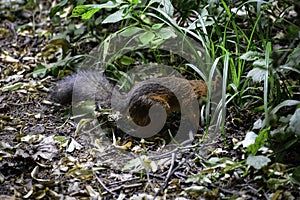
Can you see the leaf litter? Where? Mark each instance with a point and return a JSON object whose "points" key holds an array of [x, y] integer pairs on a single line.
{"points": [[42, 158]]}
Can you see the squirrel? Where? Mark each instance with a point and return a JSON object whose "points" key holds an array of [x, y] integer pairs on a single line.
{"points": [[169, 92]]}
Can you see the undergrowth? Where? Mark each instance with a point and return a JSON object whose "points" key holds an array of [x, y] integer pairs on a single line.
{"points": [[253, 46]]}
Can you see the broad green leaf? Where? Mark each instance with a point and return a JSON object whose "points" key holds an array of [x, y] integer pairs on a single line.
{"points": [[199, 178], [39, 71], [213, 161], [257, 74], [166, 33], [289, 68], [107, 5], [60, 139], [258, 161], [296, 175], [85, 108], [260, 141], [293, 58], [260, 63], [134, 2], [130, 31], [62, 42], [197, 189], [57, 7], [284, 104], [89, 13], [115, 17], [78, 11], [157, 26], [258, 124], [147, 37], [125, 60], [134, 163], [167, 7], [295, 122], [137, 164], [249, 139], [251, 56]]}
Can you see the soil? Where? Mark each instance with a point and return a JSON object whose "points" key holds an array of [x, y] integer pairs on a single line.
{"points": [[42, 156]]}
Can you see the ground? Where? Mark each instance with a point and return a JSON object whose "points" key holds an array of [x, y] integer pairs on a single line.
{"points": [[43, 157]]}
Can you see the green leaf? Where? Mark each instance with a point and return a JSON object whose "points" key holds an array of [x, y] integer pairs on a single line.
{"points": [[154, 1], [125, 60], [296, 175], [60, 139], [199, 178], [130, 31], [249, 139], [166, 33], [251, 56], [39, 71], [257, 74], [12, 87], [295, 122], [260, 63], [84, 11], [89, 13], [85, 108], [260, 141], [57, 7], [157, 26], [135, 164], [134, 2], [166, 7], [78, 11], [62, 42], [115, 17], [147, 37], [258, 161], [258, 124], [293, 58], [284, 104], [108, 5]]}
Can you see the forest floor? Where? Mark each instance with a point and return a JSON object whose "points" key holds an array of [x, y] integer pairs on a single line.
{"points": [[43, 157]]}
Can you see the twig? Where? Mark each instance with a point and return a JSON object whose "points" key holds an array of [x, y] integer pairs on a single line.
{"points": [[124, 181], [103, 185], [147, 172], [167, 154], [170, 172]]}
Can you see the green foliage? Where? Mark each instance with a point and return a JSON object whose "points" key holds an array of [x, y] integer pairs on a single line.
{"points": [[87, 11], [260, 141], [57, 69], [257, 161], [296, 175], [252, 44], [57, 7], [294, 124]]}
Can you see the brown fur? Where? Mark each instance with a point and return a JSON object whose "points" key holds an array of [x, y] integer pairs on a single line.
{"points": [[169, 92]]}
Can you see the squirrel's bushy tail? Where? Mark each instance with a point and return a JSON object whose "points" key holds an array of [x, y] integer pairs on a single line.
{"points": [[82, 86]]}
